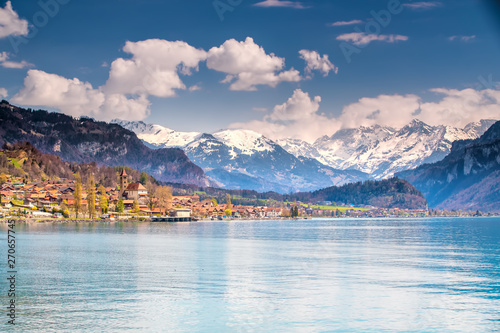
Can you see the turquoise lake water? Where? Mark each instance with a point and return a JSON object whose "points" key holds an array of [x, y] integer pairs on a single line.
{"points": [[344, 275]]}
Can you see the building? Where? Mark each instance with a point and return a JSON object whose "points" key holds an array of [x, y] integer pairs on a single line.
{"points": [[123, 182], [180, 212], [135, 191]]}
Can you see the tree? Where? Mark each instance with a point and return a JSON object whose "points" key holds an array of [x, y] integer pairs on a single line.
{"points": [[78, 193], [3, 179], [215, 202], [91, 196], [144, 178], [151, 196], [135, 207], [103, 200], [164, 197], [228, 212], [120, 207], [228, 201]]}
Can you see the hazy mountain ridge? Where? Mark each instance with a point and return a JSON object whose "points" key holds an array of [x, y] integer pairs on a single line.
{"points": [[468, 178], [85, 140]]}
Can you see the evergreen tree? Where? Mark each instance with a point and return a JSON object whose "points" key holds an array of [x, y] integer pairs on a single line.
{"points": [[144, 178], [120, 207]]}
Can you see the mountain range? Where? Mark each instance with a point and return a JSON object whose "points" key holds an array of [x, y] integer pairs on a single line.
{"points": [[246, 159], [468, 178], [243, 159]]}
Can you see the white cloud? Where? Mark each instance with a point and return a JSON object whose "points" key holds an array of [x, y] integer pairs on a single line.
{"points": [[389, 110], [78, 98], [462, 38], [362, 38], [460, 107], [280, 3], [195, 87], [247, 65], [3, 93], [301, 118], [297, 118], [154, 68], [4, 62], [423, 5], [455, 108], [314, 61], [10, 23], [344, 23]]}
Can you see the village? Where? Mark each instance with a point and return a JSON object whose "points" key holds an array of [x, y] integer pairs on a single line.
{"points": [[51, 199]]}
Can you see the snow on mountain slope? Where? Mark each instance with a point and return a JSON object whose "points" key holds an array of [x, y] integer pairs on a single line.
{"points": [[158, 136], [245, 141], [383, 151], [233, 157]]}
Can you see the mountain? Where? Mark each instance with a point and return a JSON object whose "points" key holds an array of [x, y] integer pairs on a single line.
{"points": [[383, 151], [387, 193], [468, 178], [22, 159], [85, 140], [239, 159]]}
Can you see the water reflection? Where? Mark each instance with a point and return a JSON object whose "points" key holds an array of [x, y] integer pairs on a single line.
{"points": [[433, 275]]}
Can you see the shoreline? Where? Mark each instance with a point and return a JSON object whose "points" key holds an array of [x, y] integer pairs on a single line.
{"points": [[148, 220]]}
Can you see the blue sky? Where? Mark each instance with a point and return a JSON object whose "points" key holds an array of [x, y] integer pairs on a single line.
{"points": [[450, 45]]}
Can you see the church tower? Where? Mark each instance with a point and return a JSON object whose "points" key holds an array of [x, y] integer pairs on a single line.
{"points": [[123, 182]]}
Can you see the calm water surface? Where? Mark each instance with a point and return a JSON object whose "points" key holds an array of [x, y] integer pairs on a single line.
{"points": [[373, 275]]}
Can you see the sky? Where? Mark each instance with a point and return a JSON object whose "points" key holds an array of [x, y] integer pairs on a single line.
{"points": [[298, 69]]}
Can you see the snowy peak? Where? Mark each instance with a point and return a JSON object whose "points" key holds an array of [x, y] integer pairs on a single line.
{"points": [[158, 136], [245, 141]]}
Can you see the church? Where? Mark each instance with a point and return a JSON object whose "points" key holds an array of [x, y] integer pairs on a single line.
{"points": [[132, 191]]}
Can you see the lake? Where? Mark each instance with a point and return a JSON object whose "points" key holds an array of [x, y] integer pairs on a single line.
{"points": [[340, 275]]}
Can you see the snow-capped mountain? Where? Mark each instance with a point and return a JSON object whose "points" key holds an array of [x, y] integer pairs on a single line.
{"points": [[245, 159], [158, 136], [383, 151]]}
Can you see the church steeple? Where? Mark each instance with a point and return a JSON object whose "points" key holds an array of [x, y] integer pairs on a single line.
{"points": [[123, 182]]}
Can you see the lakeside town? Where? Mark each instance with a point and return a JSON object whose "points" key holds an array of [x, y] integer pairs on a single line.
{"points": [[70, 199]]}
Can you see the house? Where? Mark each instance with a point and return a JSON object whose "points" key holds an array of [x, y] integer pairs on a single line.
{"points": [[181, 212]]}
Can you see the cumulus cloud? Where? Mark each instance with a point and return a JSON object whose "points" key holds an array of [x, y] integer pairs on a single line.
{"points": [[453, 107], [298, 118], [462, 38], [3, 93], [390, 110], [195, 87], [247, 65], [77, 98], [314, 61], [4, 62], [280, 3], [301, 118], [154, 68], [460, 107], [10, 23], [344, 23], [423, 5], [362, 38]]}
